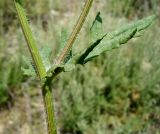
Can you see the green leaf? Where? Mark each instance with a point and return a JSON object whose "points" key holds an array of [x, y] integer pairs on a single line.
{"points": [[107, 45], [63, 40], [69, 67], [113, 40], [96, 29], [45, 53], [64, 37], [140, 25], [60, 68], [30, 70], [68, 56]]}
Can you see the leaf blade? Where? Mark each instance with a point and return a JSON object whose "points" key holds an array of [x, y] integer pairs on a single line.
{"points": [[113, 40]]}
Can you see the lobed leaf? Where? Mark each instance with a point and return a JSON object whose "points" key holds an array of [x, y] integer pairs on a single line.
{"points": [[30, 70], [107, 45], [64, 36], [140, 25], [63, 40], [112, 40], [60, 68], [45, 53], [96, 28], [102, 44]]}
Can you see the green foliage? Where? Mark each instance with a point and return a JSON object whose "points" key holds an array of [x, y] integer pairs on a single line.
{"points": [[64, 38], [118, 98], [45, 53], [105, 43], [96, 28], [94, 102], [115, 39], [88, 110], [111, 40], [30, 69]]}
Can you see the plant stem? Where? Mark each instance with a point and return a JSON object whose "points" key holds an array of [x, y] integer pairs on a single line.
{"points": [[40, 70], [49, 107], [75, 32], [46, 88]]}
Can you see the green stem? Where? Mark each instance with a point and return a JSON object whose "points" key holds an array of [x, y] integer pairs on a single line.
{"points": [[40, 69], [49, 107], [75, 32], [46, 88]]}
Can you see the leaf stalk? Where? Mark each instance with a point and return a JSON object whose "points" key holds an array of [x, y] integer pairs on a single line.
{"points": [[75, 32]]}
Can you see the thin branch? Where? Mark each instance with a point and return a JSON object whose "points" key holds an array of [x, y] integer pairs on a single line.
{"points": [[75, 32], [46, 88], [40, 70]]}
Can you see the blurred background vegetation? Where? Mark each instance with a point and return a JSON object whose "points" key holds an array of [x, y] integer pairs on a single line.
{"points": [[118, 93]]}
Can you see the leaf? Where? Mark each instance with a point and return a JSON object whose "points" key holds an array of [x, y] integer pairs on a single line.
{"points": [[112, 40], [30, 71], [140, 25], [63, 40], [107, 45], [96, 35], [69, 67], [60, 68], [64, 37], [96, 29], [68, 56], [79, 58], [45, 53]]}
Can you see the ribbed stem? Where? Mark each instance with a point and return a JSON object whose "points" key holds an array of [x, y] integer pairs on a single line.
{"points": [[49, 107], [75, 32], [40, 69], [46, 88]]}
